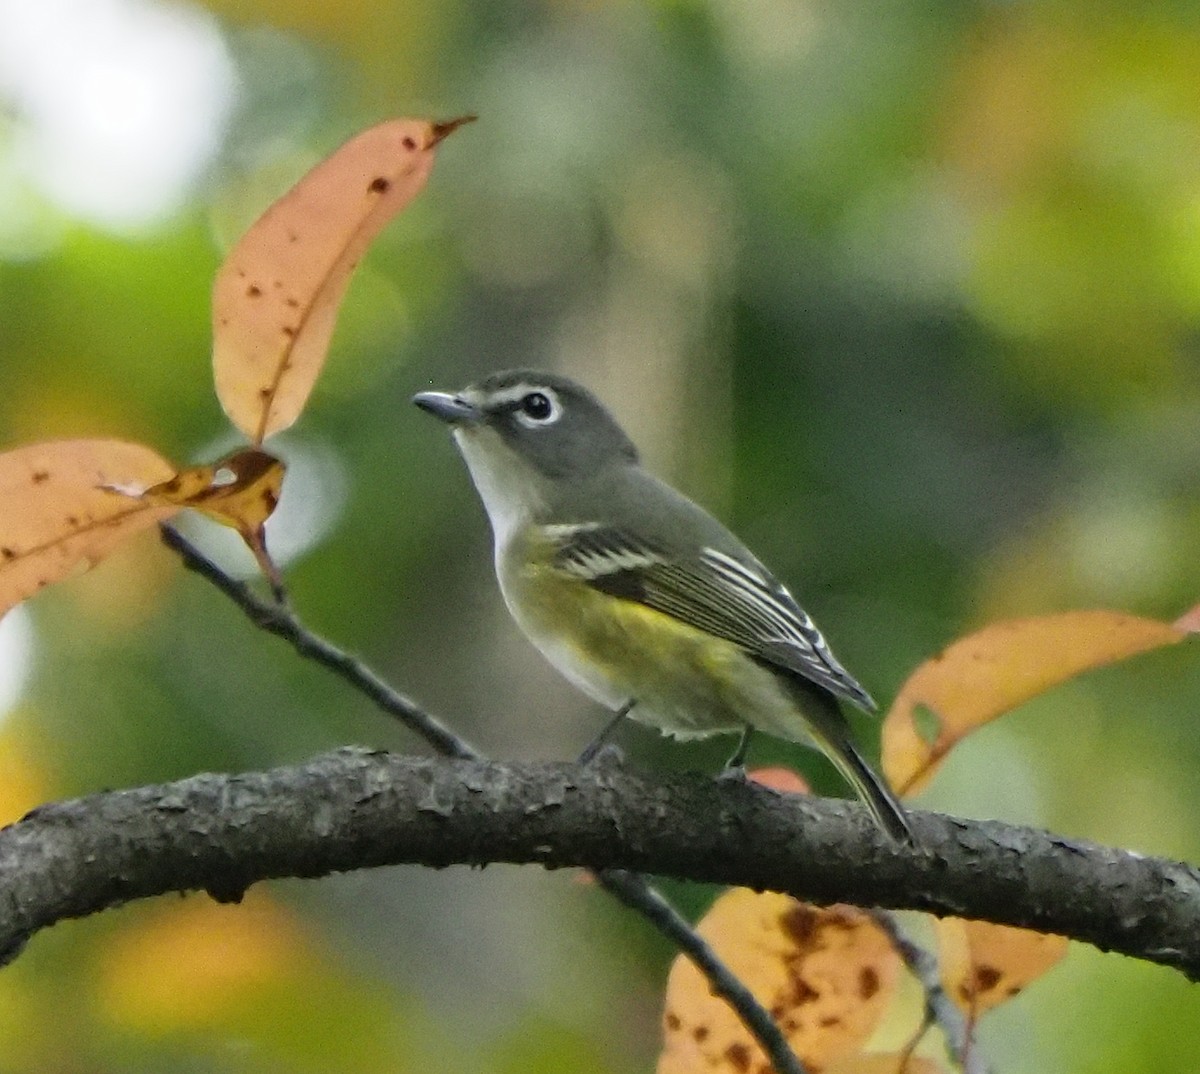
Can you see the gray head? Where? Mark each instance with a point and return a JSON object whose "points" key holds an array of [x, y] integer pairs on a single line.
{"points": [[553, 423], [558, 426], [525, 435]]}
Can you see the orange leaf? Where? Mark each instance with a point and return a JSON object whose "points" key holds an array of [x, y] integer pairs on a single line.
{"points": [[276, 297], [1189, 621], [986, 674], [240, 491], [60, 508], [825, 975], [983, 964], [780, 779]]}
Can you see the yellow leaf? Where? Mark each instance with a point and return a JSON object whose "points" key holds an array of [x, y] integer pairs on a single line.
{"points": [[188, 964], [24, 783], [983, 965], [240, 491], [875, 1063], [825, 975], [276, 297], [986, 674], [60, 508]]}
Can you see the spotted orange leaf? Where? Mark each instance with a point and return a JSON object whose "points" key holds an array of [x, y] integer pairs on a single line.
{"points": [[825, 975], [983, 965], [986, 674], [60, 510], [276, 297]]}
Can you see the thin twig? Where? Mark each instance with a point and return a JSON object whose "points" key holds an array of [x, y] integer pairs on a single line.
{"points": [[940, 1009], [630, 888], [280, 620], [634, 892]]}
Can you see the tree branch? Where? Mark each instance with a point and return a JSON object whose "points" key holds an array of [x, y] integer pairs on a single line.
{"points": [[355, 809]]}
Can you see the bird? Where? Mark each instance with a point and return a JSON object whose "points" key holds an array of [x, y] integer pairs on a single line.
{"points": [[636, 594]]}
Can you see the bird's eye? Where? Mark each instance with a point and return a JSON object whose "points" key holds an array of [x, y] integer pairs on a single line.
{"points": [[538, 408]]}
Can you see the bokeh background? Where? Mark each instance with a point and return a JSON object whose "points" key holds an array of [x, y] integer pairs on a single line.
{"points": [[907, 292]]}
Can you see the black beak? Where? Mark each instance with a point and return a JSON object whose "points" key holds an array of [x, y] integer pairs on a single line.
{"points": [[448, 408]]}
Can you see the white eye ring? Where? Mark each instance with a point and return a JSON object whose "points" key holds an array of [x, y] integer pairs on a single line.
{"points": [[538, 408]]}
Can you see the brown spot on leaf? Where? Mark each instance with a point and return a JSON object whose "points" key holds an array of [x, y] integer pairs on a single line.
{"points": [[292, 303], [700, 1034], [802, 992], [868, 982], [253, 291], [289, 331], [671, 1020], [408, 142], [379, 185], [800, 923], [985, 979], [40, 477], [837, 919], [8, 553], [738, 1056], [829, 1021]]}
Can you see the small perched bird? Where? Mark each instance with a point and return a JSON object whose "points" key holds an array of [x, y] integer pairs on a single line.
{"points": [[638, 596]]}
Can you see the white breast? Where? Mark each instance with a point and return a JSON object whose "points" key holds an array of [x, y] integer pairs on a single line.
{"points": [[506, 484]]}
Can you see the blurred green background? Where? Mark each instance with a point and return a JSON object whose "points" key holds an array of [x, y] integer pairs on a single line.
{"points": [[908, 293]]}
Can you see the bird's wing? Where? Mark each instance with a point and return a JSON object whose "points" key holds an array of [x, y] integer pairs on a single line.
{"points": [[710, 590]]}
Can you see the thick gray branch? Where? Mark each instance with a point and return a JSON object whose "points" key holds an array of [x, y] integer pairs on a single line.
{"points": [[355, 809]]}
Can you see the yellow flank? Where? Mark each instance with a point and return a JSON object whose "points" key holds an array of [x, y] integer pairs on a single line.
{"points": [[683, 680]]}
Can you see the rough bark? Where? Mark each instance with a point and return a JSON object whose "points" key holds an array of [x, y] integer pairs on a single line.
{"points": [[356, 808]]}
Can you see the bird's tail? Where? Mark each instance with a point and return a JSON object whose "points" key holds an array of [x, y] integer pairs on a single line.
{"points": [[889, 814], [828, 727]]}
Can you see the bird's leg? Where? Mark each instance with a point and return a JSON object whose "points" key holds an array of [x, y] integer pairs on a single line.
{"points": [[735, 767], [593, 747]]}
